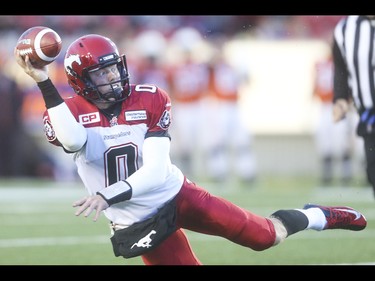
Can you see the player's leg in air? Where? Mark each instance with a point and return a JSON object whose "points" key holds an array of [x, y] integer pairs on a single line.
{"points": [[203, 212]]}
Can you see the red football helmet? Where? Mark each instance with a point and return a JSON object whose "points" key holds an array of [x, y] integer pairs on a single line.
{"points": [[92, 52]]}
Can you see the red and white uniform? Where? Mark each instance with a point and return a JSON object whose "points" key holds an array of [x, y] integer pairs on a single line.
{"points": [[145, 112], [114, 151]]}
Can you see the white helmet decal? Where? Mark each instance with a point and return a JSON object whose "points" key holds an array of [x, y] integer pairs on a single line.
{"points": [[69, 61]]}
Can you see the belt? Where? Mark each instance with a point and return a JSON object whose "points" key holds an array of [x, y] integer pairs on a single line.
{"points": [[115, 226]]}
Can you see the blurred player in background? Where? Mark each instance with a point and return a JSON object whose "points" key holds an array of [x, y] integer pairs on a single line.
{"points": [[189, 79], [229, 147], [150, 66], [334, 140], [118, 133]]}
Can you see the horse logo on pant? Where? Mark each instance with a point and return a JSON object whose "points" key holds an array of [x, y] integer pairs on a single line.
{"points": [[144, 242]]}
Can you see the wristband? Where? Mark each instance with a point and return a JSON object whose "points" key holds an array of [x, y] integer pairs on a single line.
{"points": [[50, 94], [117, 192]]}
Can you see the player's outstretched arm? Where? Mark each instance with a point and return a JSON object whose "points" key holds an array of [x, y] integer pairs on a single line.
{"points": [[70, 133]]}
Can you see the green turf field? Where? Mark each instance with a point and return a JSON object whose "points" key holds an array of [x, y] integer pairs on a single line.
{"points": [[38, 226]]}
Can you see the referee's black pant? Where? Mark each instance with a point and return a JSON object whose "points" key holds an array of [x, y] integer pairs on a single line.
{"points": [[369, 145]]}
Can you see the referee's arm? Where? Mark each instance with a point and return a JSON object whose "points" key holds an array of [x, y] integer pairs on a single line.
{"points": [[341, 91], [340, 79]]}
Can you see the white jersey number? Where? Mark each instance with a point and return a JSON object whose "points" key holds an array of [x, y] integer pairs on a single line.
{"points": [[145, 87]]}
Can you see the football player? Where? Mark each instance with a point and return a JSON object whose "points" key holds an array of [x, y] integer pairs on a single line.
{"points": [[118, 133]]}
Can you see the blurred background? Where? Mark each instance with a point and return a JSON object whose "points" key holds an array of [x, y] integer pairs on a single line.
{"points": [[242, 89]]}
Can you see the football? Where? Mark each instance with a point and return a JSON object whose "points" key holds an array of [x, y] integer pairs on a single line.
{"points": [[41, 44]]}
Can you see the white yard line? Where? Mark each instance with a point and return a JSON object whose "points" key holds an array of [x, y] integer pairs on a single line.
{"points": [[45, 241], [102, 239]]}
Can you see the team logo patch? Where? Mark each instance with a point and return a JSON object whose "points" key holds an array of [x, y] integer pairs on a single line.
{"points": [[48, 130], [165, 120], [135, 115], [113, 121], [89, 118]]}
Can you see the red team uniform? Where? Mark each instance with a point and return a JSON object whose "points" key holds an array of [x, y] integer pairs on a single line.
{"points": [[120, 152], [119, 141]]}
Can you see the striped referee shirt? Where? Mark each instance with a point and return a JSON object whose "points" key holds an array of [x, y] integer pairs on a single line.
{"points": [[354, 60]]}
